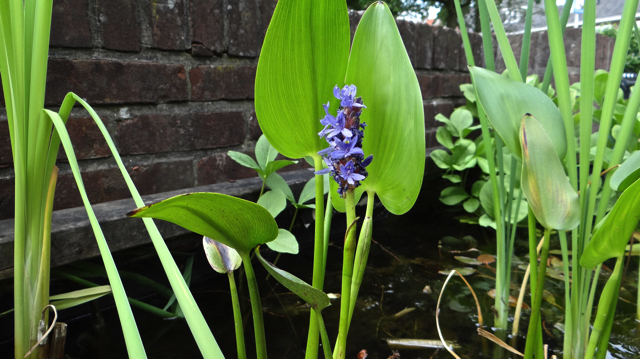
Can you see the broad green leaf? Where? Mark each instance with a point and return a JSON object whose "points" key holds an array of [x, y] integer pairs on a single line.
{"points": [[469, 92], [505, 101], [284, 243], [486, 199], [380, 68], [444, 137], [265, 153], [486, 221], [276, 165], [275, 181], [476, 187], [309, 191], [460, 120], [463, 155], [544, 182], [600, 79], [453, 195], [468, 260], [612, 234], [471, 205], [235, 222], [442, 159], [304, 55], [244, 160], [274, 201], [627, 173], [316, 298], [222, 258], [452, 178]]}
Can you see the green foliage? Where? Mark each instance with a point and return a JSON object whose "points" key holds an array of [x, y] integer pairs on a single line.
{"points": [[632, 63]]}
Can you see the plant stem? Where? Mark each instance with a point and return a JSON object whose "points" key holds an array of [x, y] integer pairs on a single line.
{"points": [[347, 274], [328, 216], [256, 307], [532, 333], [313, 339], [326, 345], [237, 317], [262, 189]]}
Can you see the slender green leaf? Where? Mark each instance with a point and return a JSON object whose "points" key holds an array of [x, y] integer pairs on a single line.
{"points": [[316, 298], [444, 137], [265, 153], [309, 191], [544, 182], [235, 222], [276, 182], [274, 201], [222, 258], [244, 160], [276, 165], [505, 101], [303, 57], [612, 234], [284, 243], [627, 173]]}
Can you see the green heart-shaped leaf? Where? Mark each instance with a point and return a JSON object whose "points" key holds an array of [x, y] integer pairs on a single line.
{"points": [[316, 298], [612, 234], [505, 101], [304, 55], [544, 182], [240, 224], [274, 201], [385, 79], [285, 243]]}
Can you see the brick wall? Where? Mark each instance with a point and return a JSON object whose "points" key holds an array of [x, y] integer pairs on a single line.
{"points": [[173, 81]]}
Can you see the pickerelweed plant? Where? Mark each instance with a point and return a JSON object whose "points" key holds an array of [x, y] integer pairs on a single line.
{"points": [[552, 145], [314, 73]]}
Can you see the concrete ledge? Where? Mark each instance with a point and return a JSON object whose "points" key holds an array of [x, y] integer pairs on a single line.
{"points": [[72, 238]]}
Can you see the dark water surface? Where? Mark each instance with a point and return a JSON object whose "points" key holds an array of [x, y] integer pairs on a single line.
{"points": [[402, 273]]}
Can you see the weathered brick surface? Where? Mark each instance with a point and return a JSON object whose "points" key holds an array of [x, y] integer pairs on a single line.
{"points": [[200, 50], [226, 82], [245, 32], [7, 197], [424, 46], [476, 47], [6, 157], [108, 185], [169, 25], [70, 24], [115, 82], [408, 33], [220, 167], [119, 25], [430, 85], [434, 107], [207, 24], [454, 46], [254, 127], [86, 138], [266, 11], [180, 132]]}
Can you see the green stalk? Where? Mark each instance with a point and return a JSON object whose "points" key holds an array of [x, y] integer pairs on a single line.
{"points": [[347, 274], [611, 93], [502, 271], [503, 42], [533, 272], [548, 73], [568, 321], [313, 339], [362, 253], [256, 307], [326, 345], [532, 333], [237, 317], [328, 216], [463, 31], [487, 45], [638, 294], [526, 41], [607, 301]]}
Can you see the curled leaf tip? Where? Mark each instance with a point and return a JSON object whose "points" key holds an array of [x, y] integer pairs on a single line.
{"points": [[135, 212]]}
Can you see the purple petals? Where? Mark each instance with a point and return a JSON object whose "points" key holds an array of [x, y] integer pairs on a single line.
{"points": [[347, 172]]}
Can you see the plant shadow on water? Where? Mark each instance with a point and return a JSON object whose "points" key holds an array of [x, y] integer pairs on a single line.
{"points": [[397, 299]]}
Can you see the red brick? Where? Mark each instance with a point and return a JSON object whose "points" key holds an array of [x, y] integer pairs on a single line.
{"points": [[70, 24], [210, 83], [254, 127], [430, 139], [476, 47], [266, 11], [169, 25], [439, 48], [6, 156], [181, 132], [119, 25], [108, 185], [7, 198], [452, 84], [572, 46], [200, 51], [86, 138], [432, 108], [115, 82], [424, 46], [454, 45], [540, 42], [207, 24], [221, 168], [245, 32], [431, 85], [408, 33]]}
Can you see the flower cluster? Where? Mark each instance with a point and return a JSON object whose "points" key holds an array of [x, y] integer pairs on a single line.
{"points": [[344, 133]]}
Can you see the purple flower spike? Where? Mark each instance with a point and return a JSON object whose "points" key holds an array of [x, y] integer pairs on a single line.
{"points": [[344, 157]]}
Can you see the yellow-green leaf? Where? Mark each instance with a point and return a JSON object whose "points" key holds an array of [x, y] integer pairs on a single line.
{"points": [[544, 182]]}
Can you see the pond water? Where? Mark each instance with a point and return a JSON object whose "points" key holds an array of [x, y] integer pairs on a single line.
{"points": [[402, 275]]}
